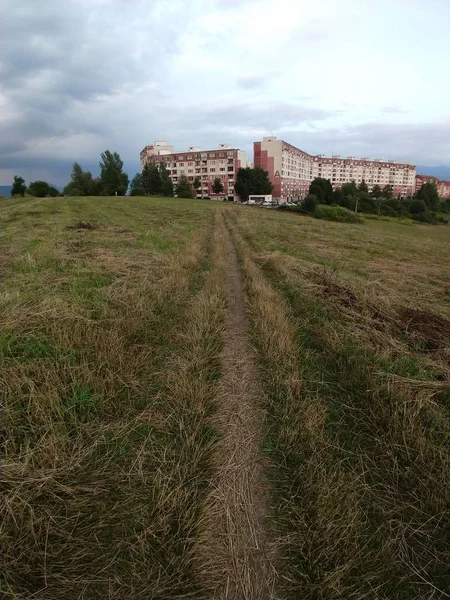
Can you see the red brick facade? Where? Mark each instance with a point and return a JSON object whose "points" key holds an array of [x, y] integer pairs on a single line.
{"points": [[443, 186]]}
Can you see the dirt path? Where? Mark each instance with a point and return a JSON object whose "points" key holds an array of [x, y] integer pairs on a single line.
{"points": [[235, 555]]}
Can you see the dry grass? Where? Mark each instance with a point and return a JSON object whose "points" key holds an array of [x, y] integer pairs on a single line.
{"points": [[358, 426], [235, 553], [132, 409], [111, 349]]}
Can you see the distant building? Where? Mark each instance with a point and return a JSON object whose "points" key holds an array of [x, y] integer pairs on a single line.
{"points": [[443, 186], [223, 163], [158, 149], [291, 170]]}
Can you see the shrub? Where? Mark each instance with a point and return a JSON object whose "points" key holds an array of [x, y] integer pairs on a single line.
{"points": [[417, 206], [402, 220], [75, 192], [429, 217], [337, 213], [296, 209], [310, 203]]}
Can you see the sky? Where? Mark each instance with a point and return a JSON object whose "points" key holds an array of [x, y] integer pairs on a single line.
{"points": [[348, 77]]}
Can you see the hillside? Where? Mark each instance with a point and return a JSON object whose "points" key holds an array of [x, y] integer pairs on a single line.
{"points": [[208, 400]]}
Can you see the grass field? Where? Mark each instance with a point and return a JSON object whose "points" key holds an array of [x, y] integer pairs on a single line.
{"points": [[203, 400]]}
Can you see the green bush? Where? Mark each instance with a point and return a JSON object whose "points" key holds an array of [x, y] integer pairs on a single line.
{"points": [[310, 203], [296, 209], [402, 220], [417, 206], [429, 217], [337, 213]]}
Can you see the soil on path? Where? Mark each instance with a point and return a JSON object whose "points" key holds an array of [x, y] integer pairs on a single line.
{"points": [[236, 554]]}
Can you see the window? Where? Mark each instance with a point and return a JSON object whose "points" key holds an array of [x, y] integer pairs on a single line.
{"points": [[181, 164], [222, 169], [212, 155], [212, 169], [190, 170]]}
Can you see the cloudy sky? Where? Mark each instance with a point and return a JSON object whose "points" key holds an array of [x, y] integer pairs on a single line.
{"points": [[351, 77]]}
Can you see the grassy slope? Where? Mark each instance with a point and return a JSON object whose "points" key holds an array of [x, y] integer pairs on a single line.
{"points": [[110, 340], [355, 354]]}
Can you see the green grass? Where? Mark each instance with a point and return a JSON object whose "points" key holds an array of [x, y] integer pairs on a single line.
{"points": [[108, 380], [358, 389], [113, 314]]}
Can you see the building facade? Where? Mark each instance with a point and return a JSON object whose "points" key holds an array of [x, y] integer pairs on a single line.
{"points": [[205, 164], [443, 186], [291, 170]]}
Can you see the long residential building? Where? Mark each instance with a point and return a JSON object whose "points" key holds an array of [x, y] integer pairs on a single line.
{"points": [[443, 186], [291, 170], [223, 163]]}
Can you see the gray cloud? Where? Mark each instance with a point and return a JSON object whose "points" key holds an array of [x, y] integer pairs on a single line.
{"points": [[81, 76]]}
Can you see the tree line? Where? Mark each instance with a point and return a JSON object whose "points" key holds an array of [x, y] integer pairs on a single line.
{"points": [[424, 205]]}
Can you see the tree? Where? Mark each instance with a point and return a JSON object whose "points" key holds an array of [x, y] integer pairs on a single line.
{"points": [[154, 181], [429, 194], [217, 186], [366, 203], [136, 186], [242, 185], [112, 177], [41, 189], [166, 181], [363, 187], [310, 203], [252, 181], [322, 189], [167, 187], [417, 206], [151, 179], [146, 178], [82, 182], [349, 188], [184, 189], [376, 191], [260, 182], [197, 184], [387, 192], [18, 186]]}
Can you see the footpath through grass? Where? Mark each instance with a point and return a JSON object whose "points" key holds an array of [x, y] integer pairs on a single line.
{"points": [[355, 348], [113, 319], [112, 328]]}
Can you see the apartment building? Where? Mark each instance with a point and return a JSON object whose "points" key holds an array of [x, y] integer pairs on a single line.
{"points": [[291, 170], [443, 186], [223, 163], [157, 149]]}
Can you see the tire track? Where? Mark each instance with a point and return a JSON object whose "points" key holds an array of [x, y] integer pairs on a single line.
{"points": [[235, 553]]}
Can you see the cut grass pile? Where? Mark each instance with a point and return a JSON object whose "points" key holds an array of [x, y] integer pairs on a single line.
{"points": [[355, 356]]}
